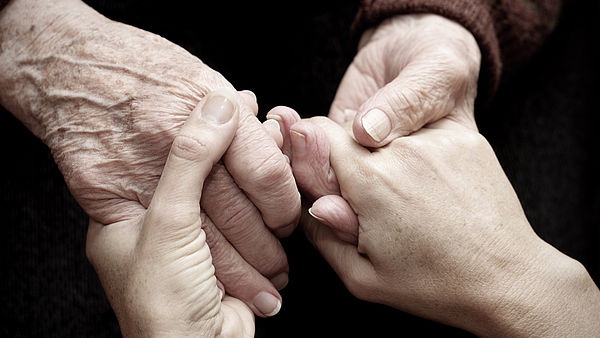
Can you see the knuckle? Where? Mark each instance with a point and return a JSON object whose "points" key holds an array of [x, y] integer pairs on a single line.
{"points": [[473, 140], [189, 148], [271, 171], [273, 264], [459, 69], [408, 107], [235, 218], [237, 277]]}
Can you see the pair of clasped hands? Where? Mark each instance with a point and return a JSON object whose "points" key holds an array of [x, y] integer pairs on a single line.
{"points": [[203, 255], [188, 192], [408, 204]]}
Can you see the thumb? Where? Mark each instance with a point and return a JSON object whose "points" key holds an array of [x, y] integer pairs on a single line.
{"points": [[402, 106], [202, 141], [171, 237]]}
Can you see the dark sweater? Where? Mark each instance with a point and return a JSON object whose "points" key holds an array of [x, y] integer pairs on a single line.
{"points": [[508, 32]]}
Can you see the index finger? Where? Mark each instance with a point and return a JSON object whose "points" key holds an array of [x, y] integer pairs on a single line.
{"points": [[262, 171]]}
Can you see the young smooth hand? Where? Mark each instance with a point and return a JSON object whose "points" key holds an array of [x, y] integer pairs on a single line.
{"points": [[441, 234]]}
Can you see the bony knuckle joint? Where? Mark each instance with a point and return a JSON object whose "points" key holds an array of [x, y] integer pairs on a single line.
{"points": [[272, 172]]}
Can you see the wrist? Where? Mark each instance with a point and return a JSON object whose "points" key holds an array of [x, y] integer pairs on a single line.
{"points": [[552, 295], [31, 31], [431, 30]]}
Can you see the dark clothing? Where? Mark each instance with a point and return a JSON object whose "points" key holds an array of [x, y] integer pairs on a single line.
{"points": [[541, 125], [508, 32]]}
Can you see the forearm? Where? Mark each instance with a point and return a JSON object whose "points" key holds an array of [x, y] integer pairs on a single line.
{"points": [[30, 30]]}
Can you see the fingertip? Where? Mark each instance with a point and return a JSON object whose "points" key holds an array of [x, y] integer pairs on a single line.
{"points": [[342, 235], [372, 129], [274, 131], [286, 117], [310, 160], [280, 281], [283, 113], [335, 212], [285, 231], [249, 99], [267, 304], [249, 94], [217, 108]]}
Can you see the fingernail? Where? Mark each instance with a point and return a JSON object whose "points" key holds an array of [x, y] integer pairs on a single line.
{"points": [[267, 304], [298, 143], [377, 124], [274, 117], [274, 124], [251, 93], [280, 281], [217, 109], [310, 212]]}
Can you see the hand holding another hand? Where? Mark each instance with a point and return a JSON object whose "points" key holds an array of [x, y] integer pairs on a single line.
{"points": [[441, 234], [411, 70], [108, 99], [157, 268]]}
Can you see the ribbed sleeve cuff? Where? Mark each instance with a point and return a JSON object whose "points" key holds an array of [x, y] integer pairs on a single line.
{"points": [[474, 15]]}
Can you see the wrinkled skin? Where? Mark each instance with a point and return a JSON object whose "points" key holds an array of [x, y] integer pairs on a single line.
{"points": [[108, 99], [441, 234], [157, 269], [415, 69]]}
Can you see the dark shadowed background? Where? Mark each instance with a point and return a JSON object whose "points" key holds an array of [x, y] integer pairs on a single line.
{"points": [[543, 125]]}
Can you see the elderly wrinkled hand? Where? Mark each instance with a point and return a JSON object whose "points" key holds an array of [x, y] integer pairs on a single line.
{"points": [[409, 71], [108, 99]]}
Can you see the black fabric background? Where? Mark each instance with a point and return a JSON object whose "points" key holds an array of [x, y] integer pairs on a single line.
{"points": [[543, 126]]}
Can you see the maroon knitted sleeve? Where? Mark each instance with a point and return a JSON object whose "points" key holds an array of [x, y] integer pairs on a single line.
{"points": [[508, 31]]}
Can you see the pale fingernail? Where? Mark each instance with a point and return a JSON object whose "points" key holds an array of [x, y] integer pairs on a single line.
{"points": [[267, 304], [377, 124], [251, 93], [274, 117], [217, 109], [280, 281], [272, 124], [310, 212], [298, 143]]}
